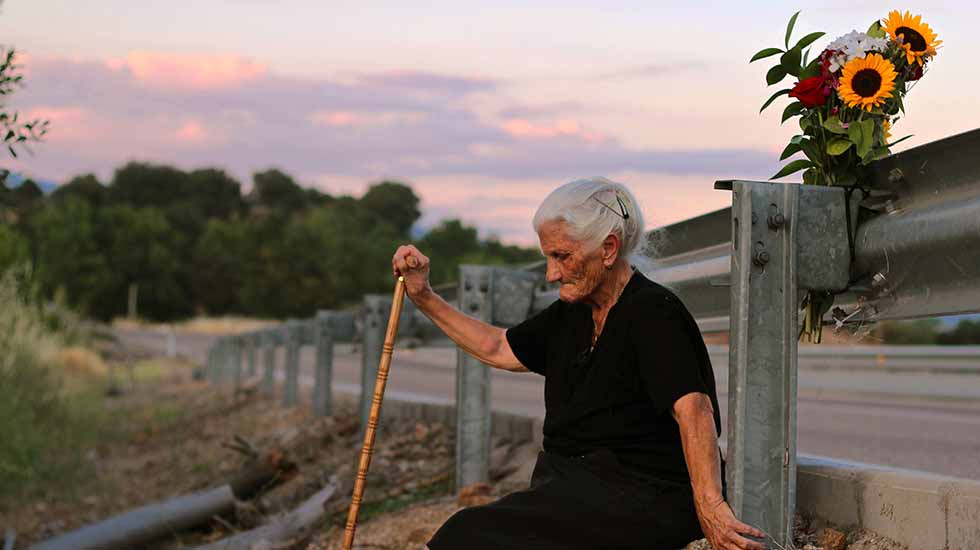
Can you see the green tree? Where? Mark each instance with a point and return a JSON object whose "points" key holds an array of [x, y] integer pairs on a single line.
{"points": [[13, 248], [393, 202], [141, 249], [966, 333], [221, 261], [86, 187], [70, 257], [17, 133], [278, 192], [214, 192], [141, 184], [921, 332], [446, 245]]}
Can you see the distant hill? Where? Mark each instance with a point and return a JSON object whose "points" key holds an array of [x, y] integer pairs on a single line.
{"points": [[15, 179]]}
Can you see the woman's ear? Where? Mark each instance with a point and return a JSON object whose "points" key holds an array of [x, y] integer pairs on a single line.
{"points": [[610, 250]]}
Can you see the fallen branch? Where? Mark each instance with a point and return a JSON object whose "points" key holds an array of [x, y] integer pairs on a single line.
{"points": [[293, 524]]}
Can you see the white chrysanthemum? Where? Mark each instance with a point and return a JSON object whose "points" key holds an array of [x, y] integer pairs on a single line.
{"points": [[853, 45]]}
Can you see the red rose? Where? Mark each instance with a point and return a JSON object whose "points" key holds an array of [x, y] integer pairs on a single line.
{"points": [[810, 92]]}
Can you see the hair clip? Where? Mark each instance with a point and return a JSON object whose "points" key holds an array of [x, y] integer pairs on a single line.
{"points": [[622, 207]]}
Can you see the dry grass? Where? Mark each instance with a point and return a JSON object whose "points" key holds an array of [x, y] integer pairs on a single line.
{"points": [[202, 325]]}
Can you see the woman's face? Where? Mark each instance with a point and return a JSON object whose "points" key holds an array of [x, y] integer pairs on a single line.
{"points": [[578, 272]]}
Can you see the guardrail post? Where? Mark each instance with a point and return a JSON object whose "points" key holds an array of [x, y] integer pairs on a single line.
{"points": [[323, 343], [235, 356], [210, 364], [377, 307], [473, 383], [292, 334], [252, 341], [221, 360], [268, 339], [783, 235]]}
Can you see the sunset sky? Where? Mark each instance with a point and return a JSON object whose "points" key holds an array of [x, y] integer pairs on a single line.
{"points": [[483, 107]]}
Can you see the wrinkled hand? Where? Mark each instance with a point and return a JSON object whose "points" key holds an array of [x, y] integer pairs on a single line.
{"points": [[414, 267], [724, 531]]}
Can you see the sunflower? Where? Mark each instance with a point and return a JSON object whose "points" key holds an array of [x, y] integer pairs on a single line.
{"points": [[912, 35], [867, 82], [886, 126]]}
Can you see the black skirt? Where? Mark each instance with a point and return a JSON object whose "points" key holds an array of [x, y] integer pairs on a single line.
{"points": [[587, 502]]}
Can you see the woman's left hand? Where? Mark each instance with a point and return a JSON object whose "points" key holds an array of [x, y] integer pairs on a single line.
{"points": [[724, 531]]}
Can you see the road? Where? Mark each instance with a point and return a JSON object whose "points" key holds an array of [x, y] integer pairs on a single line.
{"points": [[915, 420]]}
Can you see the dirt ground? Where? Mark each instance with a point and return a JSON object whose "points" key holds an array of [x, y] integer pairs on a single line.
{"points": [[170, 436]]}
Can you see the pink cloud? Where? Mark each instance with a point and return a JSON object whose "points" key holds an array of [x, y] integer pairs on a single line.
{"points": [[360, 119], [192, 132], [65, 123], [336, 118], [523, 128], [188, 71]]}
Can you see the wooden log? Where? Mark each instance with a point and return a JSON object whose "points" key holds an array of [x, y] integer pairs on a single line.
{"points": [[136, 527], [291, 525]]}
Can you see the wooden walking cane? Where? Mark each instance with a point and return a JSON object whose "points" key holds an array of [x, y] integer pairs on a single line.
{"points": [[379, 391]]}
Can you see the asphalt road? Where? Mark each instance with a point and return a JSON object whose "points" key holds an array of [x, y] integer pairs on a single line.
{"points": [[917, 420]]}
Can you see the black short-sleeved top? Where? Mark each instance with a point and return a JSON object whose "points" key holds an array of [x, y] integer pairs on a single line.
{"points": [[619, 396]]}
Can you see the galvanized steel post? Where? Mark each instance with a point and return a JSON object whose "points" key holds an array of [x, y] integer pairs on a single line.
{"points": [[252, 341], [235, 356], [323, 343], [268, 339], [473, 382], [784, 237], [292, 334], [377, 307]]}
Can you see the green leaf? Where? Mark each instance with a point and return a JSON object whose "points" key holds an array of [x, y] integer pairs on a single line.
{"points": [[877, 154], [861, 133], [875, 30], [794, 166], [810, 176], [900, 140], [807, 40], [838, 145], [834, 125], [812, 150], [773, 98], [775, 74], [762, 54], [797, 139], [791, 110], [789, 27], [790, 150], [805, 123], [790, 62]]}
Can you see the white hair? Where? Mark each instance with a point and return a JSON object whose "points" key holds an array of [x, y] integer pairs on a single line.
{"points": [[594, 208]]}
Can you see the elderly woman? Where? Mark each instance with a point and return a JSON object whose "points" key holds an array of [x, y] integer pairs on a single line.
{"points": [[631, 456]]}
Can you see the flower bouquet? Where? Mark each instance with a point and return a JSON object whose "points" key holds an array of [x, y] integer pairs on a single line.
{"points": [[847, 98]]}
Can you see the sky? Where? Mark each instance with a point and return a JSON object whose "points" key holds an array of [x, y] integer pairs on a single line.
{"points": [[482, 107]]}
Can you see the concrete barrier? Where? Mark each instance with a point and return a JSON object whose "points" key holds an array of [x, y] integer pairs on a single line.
{"points": [[924, 511]]}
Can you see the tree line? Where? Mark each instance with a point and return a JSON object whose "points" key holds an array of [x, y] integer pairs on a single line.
{"points": [[191, 243]]}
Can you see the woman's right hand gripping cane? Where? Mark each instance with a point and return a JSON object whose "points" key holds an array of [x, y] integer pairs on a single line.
{"points": [[411, 264]]}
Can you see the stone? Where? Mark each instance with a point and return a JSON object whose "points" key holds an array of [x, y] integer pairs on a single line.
{"points": [[831, 539], [475, 495]]}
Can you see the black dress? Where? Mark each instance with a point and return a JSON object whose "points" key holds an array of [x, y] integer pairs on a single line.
{"points": [[612, 474]]}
